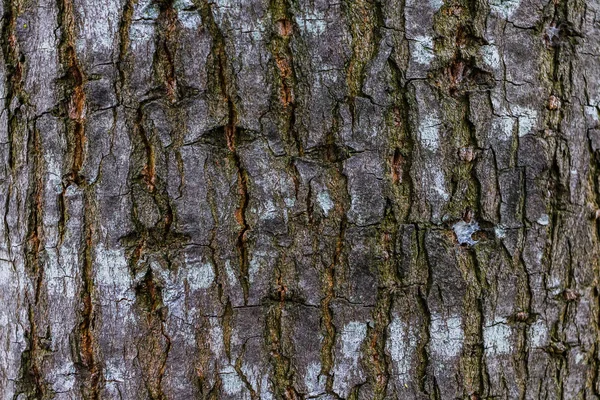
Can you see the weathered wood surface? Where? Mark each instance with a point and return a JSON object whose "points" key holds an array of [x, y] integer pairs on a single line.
{"points": [[263, 199]]}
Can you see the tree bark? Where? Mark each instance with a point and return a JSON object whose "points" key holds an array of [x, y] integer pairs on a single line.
{"points": [[365, 199]]}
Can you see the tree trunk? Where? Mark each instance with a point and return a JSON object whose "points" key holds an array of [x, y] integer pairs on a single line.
{"points": [[300, 199]]}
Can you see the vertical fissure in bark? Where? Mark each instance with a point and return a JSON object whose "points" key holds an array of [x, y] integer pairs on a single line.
{"points": [[148, 173], [283, 376], [378, 362], [15, 101], [238, 369], [87, 360], [155, 345], [560, 52], [164, 57], [15, 95], [402, 141], [75, 101], [124, 27], [73, 107], [213, 246], [32, 381], [328, 343], [333, 156], [472, 360], [423, 375], [232, 136], [153, 242], [284, 31], [456, 76], [227, 322], [149, 179]]}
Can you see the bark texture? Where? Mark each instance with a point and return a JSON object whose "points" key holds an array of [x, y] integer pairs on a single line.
{"points": [[300, 199]]}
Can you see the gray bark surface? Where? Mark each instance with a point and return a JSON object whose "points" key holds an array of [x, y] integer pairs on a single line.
{"points": [[293, 199]]}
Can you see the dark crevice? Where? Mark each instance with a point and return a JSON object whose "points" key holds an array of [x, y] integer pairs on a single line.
{"points": [[227, 90]]}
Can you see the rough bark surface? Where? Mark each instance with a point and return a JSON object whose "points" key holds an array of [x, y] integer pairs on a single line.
{"points": [[294, 199]]}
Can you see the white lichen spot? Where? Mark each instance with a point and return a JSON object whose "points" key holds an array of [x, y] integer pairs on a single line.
{"points": [[112, 269], [496, 338], [252, 373], [504, 8], [504, 127], [180, 5], [538, 334], [439, 185], [311, 378], [254, 266], [265, 388], [290, 202], [221, 4], [146, 10], [230, 273], [421, 49], [464, 230], [401, 345], [200, 276], [114, 371], [269, 210], [346, 368], [232, 384], [98, 29], [140, 34], [215, 334], [490, 56], [312, 22], [325, 202], [500, 231], [554, 285], [7, 278], [446, 337], [352, 337], [544, 220], [190, 20], [436, 4], [527, 119], [592, 112], [429, 132]]}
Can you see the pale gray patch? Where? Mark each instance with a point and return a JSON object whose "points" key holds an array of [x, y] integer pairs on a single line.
{"points": [[429, 132], [200, 276], [496, 338], [500, 231], [325, 202], [421, 49], [464, 230], [312, 22], [527, 119], [401, 345], [232, 383], [544, 220], [446, 337], [490, 56], [352, 336], [538, 334], [504, 8], [504, 127]]}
